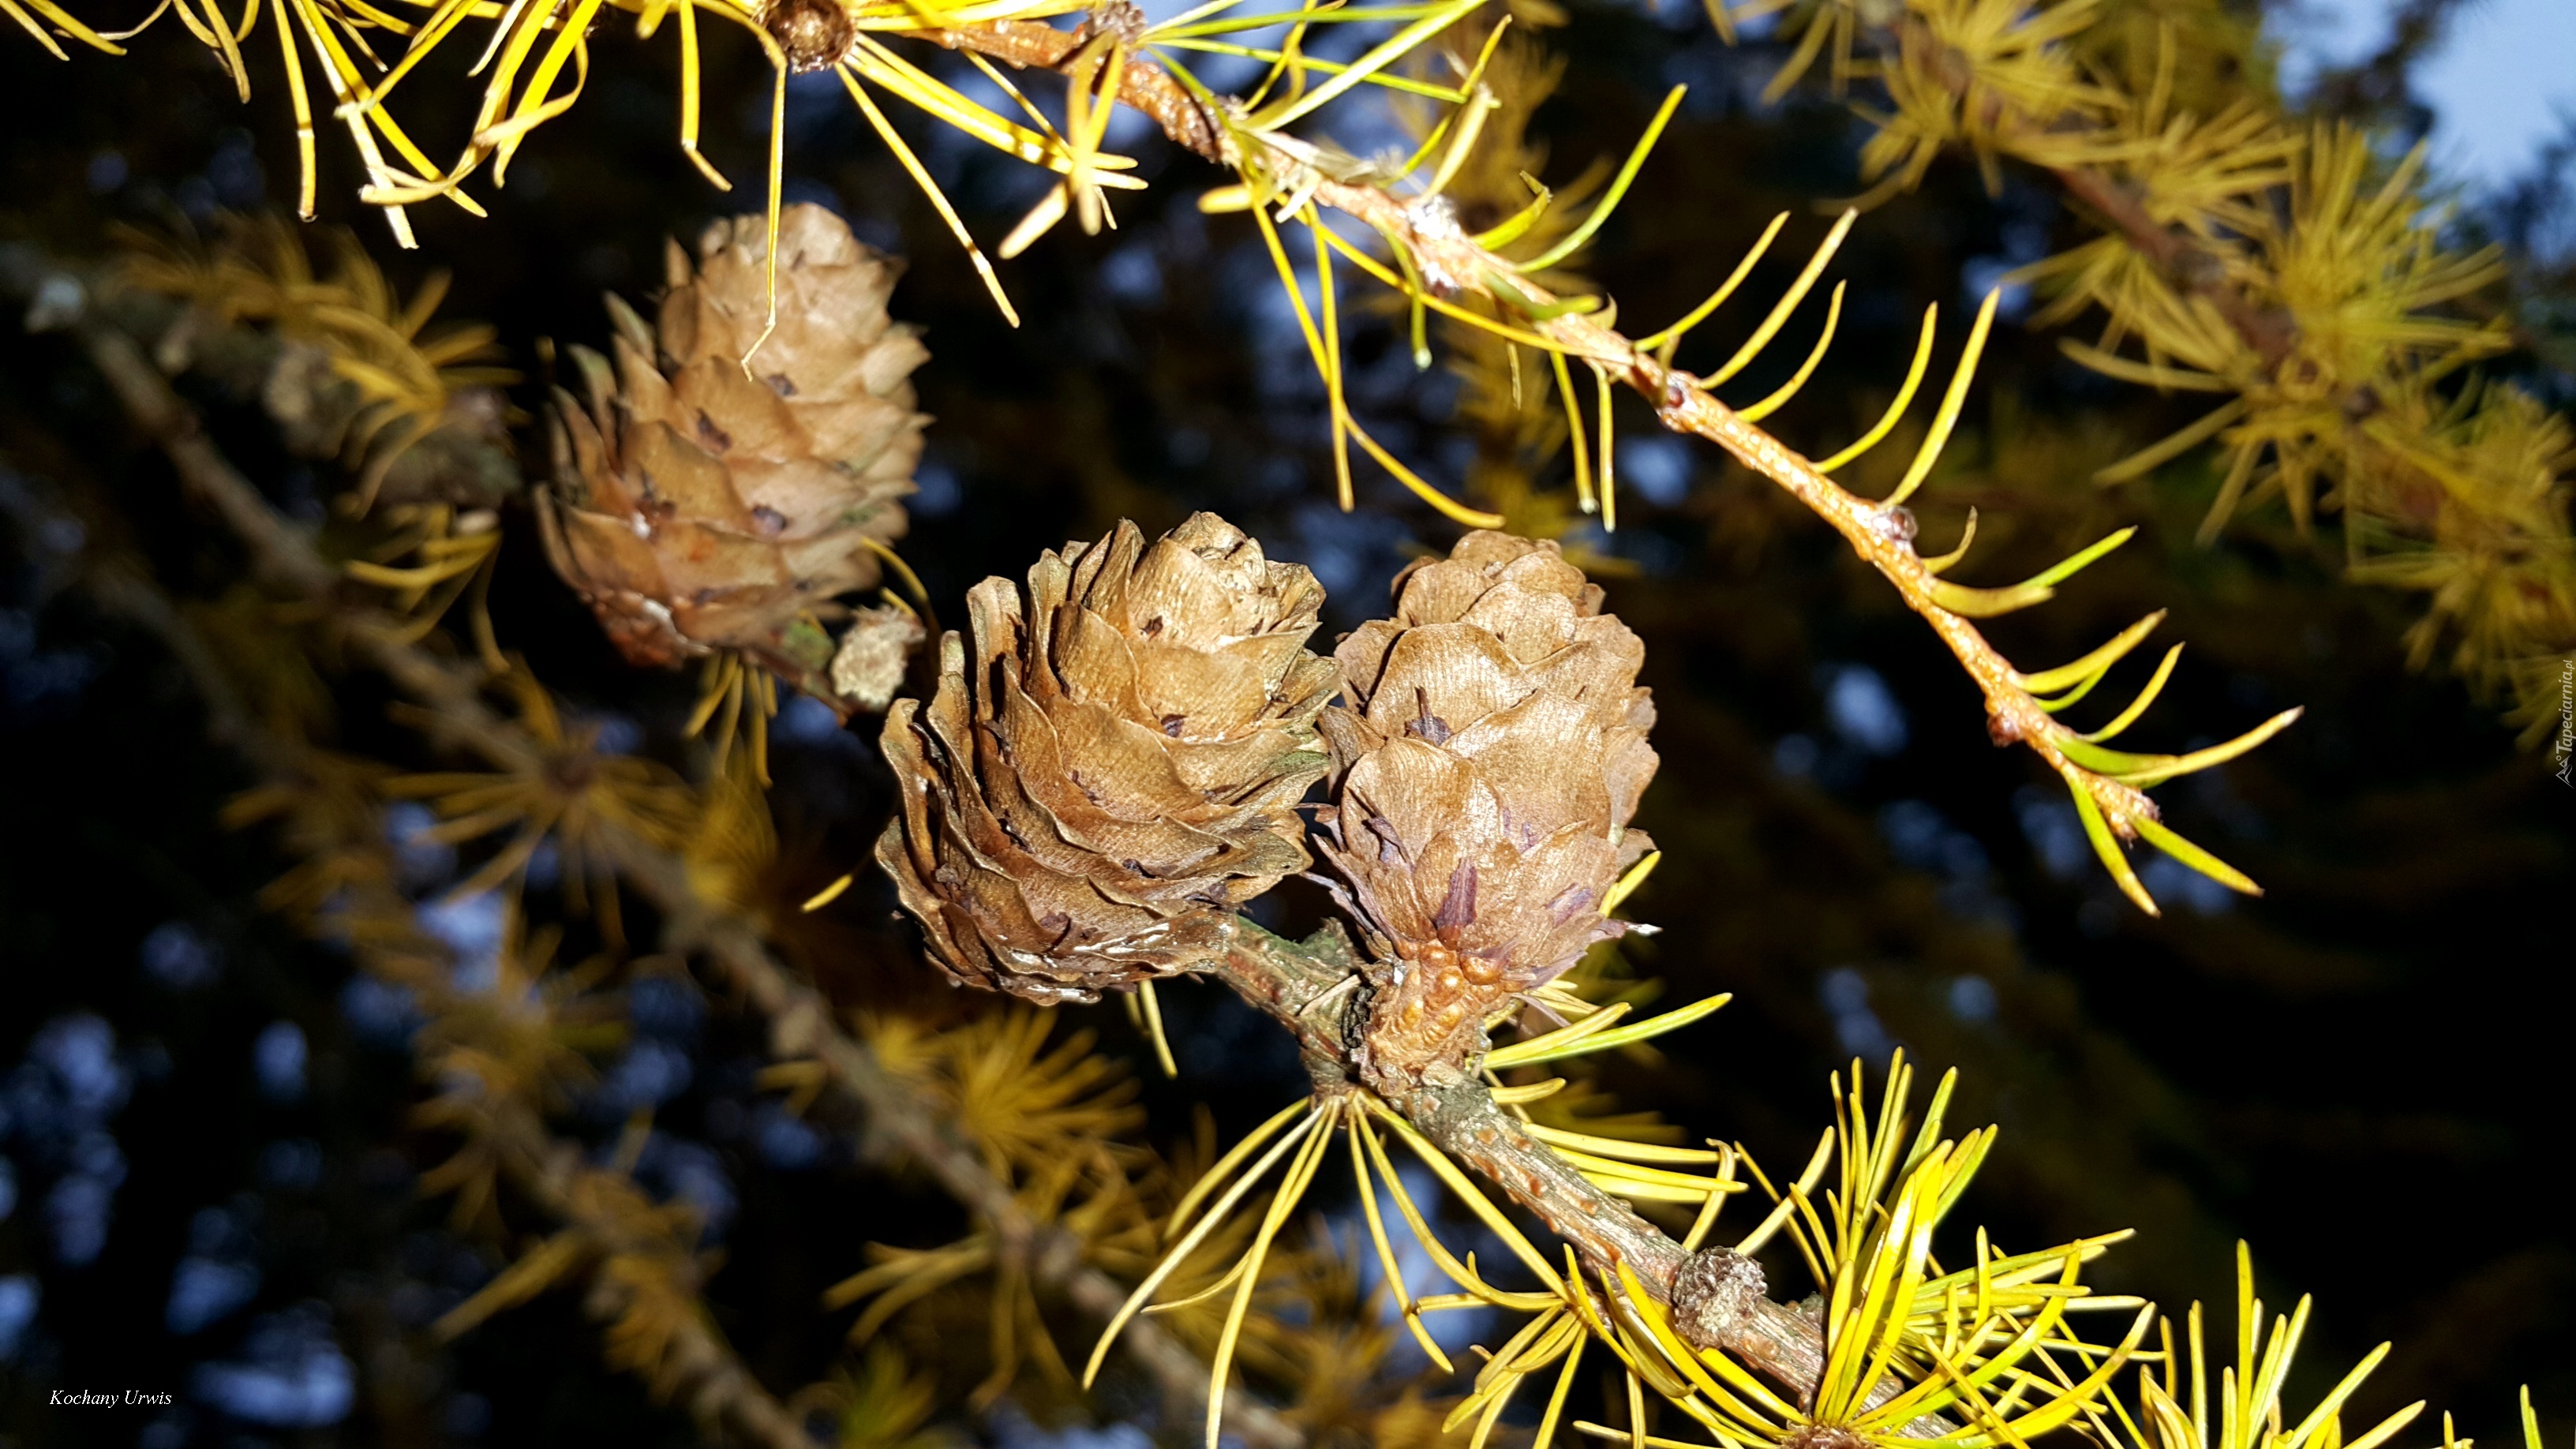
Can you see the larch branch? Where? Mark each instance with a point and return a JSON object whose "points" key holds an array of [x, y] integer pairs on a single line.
{"points": [[1280, 977]]}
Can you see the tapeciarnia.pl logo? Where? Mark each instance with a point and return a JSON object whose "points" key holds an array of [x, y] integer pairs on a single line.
{"points": [[2566, 747]]}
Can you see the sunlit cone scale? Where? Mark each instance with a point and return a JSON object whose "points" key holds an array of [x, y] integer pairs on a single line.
{"points": [[1110, 767], [719, 490], [1486, 761]]}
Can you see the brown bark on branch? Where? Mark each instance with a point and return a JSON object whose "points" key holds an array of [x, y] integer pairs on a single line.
{"points": [[1147, 87], [1311, 988]]}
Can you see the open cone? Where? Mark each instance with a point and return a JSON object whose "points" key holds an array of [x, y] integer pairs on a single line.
{"points": [[1109, 768]]}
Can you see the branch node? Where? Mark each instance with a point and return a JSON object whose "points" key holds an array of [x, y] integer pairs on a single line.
{"points": [[1714, 1293]]}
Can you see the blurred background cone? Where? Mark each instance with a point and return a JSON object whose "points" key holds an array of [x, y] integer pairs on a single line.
{"points": [[715, 490]]}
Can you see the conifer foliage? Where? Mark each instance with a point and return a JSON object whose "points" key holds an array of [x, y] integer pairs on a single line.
{"points": [[1110, 778]]}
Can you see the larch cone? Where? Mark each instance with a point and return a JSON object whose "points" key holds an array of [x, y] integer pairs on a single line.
{"points": [[700, 506], [1486, 761], [1111, 766]]}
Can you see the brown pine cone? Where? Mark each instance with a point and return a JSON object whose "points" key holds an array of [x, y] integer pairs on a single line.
{"points": [[696, 508], [1107, 774], [1485, 766]]}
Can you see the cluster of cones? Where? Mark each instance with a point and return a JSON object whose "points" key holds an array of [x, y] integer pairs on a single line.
{"points": [[1113, 762]]}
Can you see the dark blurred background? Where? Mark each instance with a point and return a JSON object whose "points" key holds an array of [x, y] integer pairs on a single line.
{"points": [[206, 1171]]}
